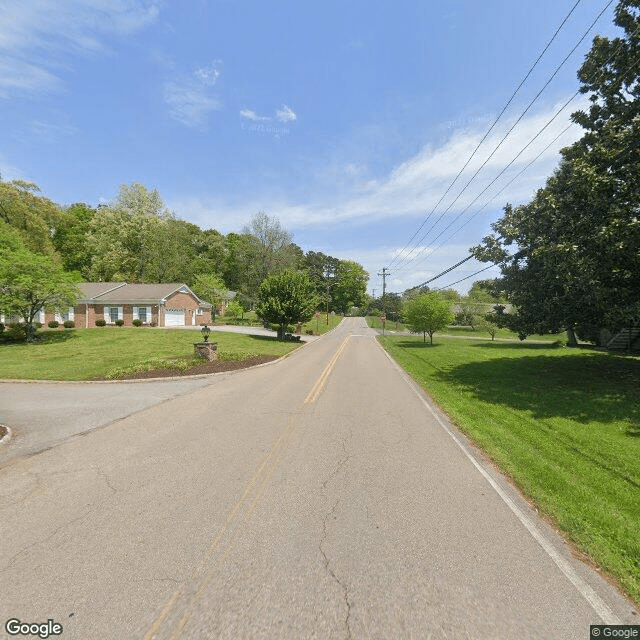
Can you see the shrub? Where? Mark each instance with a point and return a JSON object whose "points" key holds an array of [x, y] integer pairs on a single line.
{"points": [[101, 323], [137, 322], [53, 324], [119, 323], [1, 327], [69, 324], [38, 325], [18, 331], [153, 324]]}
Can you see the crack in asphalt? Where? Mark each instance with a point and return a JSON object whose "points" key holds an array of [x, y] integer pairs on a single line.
{"points": [[327, 565], [91, 508], [331, 572]]}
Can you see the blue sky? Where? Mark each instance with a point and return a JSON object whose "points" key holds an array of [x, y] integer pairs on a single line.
{"points": [[346, 120]]}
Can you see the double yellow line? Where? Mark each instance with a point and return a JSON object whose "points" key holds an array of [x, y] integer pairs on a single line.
{"points": [[317, 388], [186, 596]]}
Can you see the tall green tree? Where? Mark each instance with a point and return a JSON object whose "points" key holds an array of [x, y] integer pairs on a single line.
{"points": [[570, 258], [427, 313], [30, 213], [267, 249], [70, 238], [130, 239], [210, 288], [350, 288], [286, 298], [31, 281]]}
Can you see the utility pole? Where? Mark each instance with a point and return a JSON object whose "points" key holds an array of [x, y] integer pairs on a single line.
{"points": [[384, 275]]}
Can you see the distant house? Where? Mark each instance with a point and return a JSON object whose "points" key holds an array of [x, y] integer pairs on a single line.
{"points": [[162, 305]]}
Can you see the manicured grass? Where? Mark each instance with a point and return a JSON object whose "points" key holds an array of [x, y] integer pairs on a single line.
{"points": [[320, 326], [501, 334], [375, 323], [563, 423], [83, 354], [317, 325]]}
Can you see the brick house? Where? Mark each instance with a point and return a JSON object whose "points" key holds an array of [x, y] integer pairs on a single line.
{"points": [[162, 305]]}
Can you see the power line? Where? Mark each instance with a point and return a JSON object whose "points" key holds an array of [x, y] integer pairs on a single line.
{"points": [[493, 181], [473, 153], [442, 273], [637, 30], [465, 278], [407, 258]]}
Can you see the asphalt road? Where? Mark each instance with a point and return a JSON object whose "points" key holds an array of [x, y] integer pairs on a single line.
{"points": [[319, 497]]}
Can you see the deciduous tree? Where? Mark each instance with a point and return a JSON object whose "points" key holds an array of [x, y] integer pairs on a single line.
{"points": [[286, 298], [427, 313], [30, 281]]}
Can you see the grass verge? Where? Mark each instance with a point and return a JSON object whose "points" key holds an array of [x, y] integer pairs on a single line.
{"points": [[319, 325], [564, 424], [375, 323], [84, 354]]}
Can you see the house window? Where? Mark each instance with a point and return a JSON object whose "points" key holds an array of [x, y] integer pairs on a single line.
{"points": [[200, 311], [111, 314], [142, 314], [63, 317]]}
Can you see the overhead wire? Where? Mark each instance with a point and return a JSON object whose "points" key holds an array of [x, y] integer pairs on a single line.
{"points": [[496, 178], [407, 258], [513, 95], [635, 32]]}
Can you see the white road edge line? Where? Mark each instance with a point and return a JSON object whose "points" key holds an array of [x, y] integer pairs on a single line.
{"points": [[599, 606]]}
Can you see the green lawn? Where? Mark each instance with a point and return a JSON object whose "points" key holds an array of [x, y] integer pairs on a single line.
{"points": [[375, 323], [563, 423], [317, 325], [83, 354], [320, 326]]}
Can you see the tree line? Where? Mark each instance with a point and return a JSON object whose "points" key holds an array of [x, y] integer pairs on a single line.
{"points": [[45, 248]]}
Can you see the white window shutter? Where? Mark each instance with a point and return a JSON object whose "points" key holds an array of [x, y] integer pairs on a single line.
{"points": [[71, 313], [106, 314], [120, 314], [148, 314], [135, 313], [58, 316]]}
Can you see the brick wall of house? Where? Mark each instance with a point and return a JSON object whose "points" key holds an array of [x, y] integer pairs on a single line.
{"points": [[184, 301]]}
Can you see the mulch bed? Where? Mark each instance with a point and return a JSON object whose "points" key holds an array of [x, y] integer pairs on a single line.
{"points": [[217, 366]]}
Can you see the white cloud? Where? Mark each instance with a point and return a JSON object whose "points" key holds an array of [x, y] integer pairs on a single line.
{"points": [[286, 114], [189, 104], [414, 187], [249, 114], [409, 192], [208, 76], [37, 35], [8, 171]]}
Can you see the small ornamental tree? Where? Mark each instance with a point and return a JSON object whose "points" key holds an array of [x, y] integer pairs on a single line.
{"points": [[286, 298], [427, 313], [30, 281], [234, 310]]}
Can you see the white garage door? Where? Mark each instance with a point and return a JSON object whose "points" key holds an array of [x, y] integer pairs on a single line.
{"points": [[174, 318]]}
